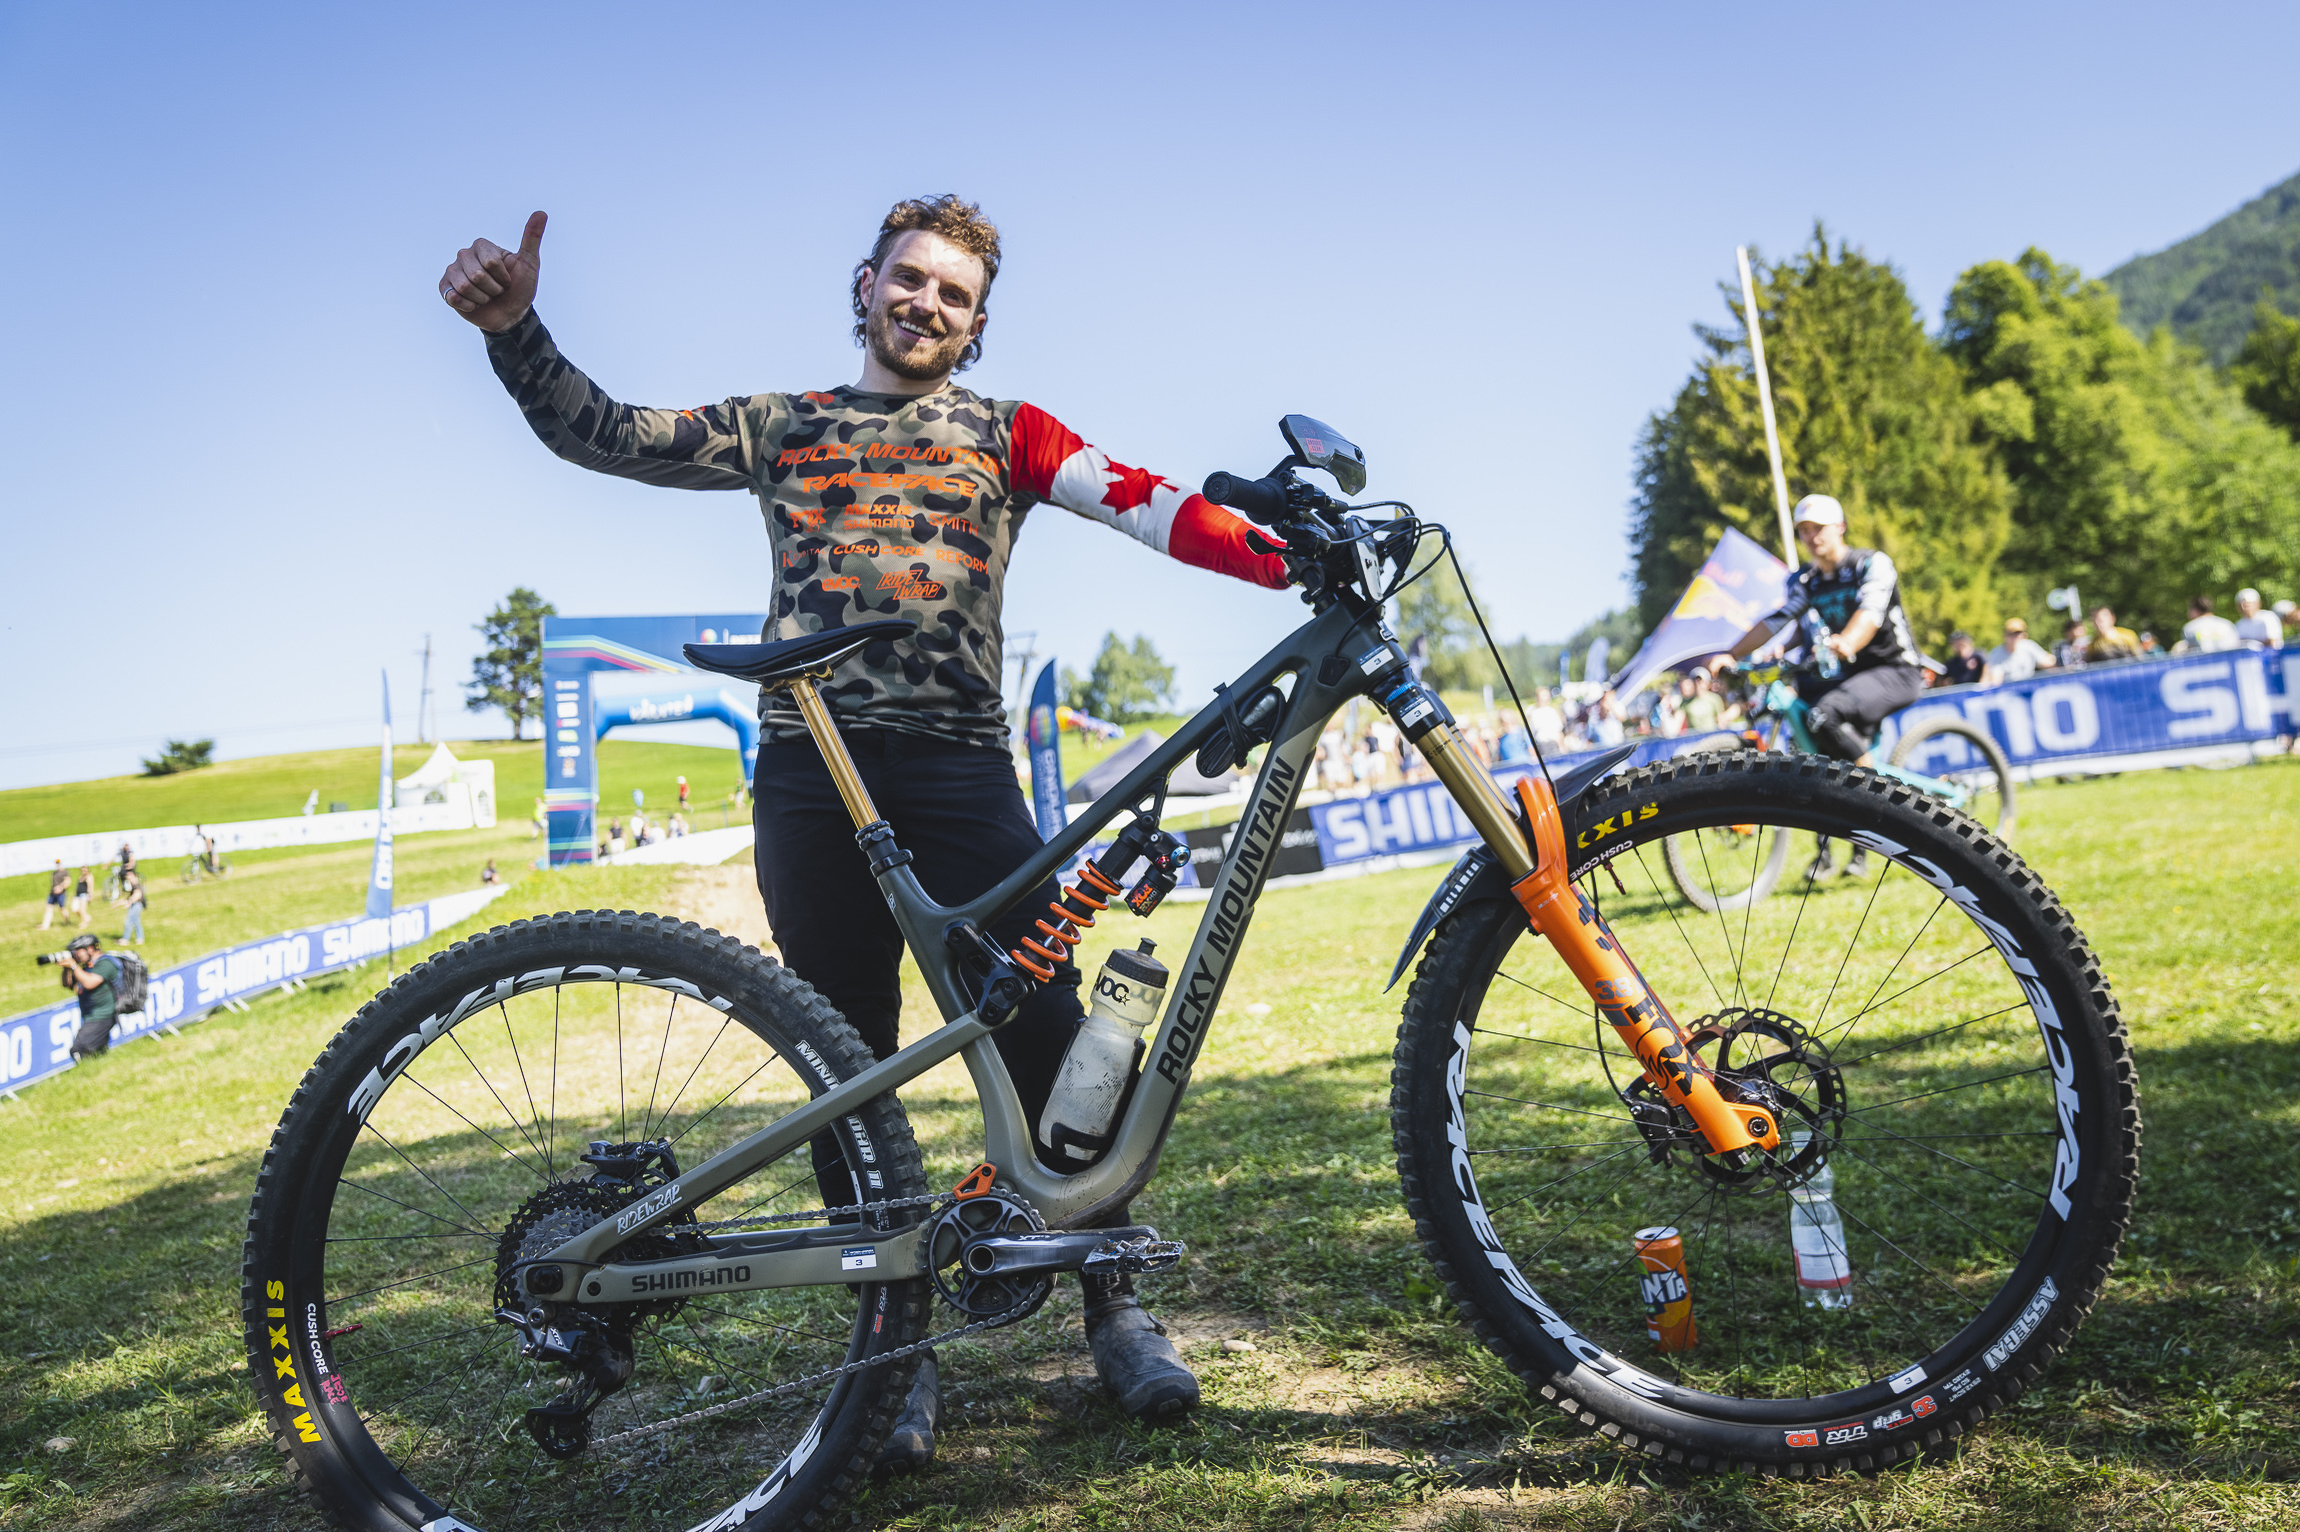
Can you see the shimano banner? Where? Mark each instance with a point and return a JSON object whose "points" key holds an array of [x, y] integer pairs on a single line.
{"points": [[38, 1044], [2191, 709]]}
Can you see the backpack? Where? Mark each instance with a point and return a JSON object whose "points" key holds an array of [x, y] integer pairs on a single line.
{"points": [[134, 983]]}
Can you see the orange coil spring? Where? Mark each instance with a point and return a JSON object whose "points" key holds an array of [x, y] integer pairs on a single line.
{"points": [[1069, 922]]}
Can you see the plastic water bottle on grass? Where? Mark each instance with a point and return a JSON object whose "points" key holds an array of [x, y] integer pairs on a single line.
{"points": [[1817, 1237]]}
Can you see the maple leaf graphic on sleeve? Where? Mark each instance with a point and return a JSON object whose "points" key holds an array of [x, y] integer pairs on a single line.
{"points": [[1130, 490]]}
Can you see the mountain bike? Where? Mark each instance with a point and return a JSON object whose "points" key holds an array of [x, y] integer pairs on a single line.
{"points": [[541, 1237], [205, 863], [1708, 868]]}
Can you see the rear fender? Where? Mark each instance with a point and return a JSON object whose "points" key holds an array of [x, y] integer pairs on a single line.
{"points": [[1478, 875]]}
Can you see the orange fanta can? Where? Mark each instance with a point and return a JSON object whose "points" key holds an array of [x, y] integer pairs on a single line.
{"points": [[1668, 1295]]}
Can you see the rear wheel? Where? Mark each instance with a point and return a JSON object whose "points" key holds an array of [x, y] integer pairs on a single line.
{"points": [[438, 1140], [1956, 1093], [1968, 758]]}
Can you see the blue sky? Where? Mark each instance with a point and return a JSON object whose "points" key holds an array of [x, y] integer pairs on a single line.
{"points": [[255, 459]]}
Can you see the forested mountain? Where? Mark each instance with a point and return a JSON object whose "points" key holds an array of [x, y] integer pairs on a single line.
{"points": [[2205, 287]]}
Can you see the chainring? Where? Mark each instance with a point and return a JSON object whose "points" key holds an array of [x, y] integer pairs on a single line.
{"points": [[1006, 1299]]}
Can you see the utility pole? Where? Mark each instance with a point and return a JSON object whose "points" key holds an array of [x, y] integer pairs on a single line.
{"points": [[1765, 399], [423, 719]]}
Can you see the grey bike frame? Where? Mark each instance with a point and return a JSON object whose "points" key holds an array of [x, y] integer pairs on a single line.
{"points": [[1329, 659]]}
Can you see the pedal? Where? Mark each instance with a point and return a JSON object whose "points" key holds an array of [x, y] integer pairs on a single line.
{"points": [[1143, 1255]]}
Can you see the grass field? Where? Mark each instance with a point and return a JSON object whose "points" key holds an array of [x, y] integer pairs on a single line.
{"points": [[1363, 1402]]}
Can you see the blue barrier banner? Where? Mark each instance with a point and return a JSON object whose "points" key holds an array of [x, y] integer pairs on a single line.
{"points": [[2182, 710], [37, 1044], [1042, 733], [1400, 821]]}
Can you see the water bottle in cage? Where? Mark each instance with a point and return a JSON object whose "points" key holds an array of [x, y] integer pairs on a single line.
{"points": [[1817, 1237], [1102, 1056]]}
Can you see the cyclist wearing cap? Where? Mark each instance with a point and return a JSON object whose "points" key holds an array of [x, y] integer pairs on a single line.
{"points": [[94, 981], [1856, 593]]}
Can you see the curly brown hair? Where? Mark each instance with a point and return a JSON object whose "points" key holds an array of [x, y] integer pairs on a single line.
{"points": [[956, 220]]}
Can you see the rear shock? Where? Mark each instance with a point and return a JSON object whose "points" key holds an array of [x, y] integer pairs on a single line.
{"points": [[1074, 908]]}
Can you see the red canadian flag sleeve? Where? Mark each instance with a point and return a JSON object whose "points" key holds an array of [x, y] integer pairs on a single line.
{"points": [[1051, 462]]}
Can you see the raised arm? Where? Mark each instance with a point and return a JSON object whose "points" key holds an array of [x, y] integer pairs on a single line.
{"points": [[494, 288], [1051, 463]]}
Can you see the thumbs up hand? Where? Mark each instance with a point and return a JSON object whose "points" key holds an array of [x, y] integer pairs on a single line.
{"points": [[494, 287]]}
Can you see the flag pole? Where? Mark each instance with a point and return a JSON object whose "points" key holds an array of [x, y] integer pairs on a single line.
{"points": [[1765, 399]]}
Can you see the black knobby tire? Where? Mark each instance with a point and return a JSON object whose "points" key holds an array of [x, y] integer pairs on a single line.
{"points": [[1694, 870], [390, 1389], [1954, 1274], [1991, 776]]}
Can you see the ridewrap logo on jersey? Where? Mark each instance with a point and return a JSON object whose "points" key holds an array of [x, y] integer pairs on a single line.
{"points": [[403, 1053], [1257, 837], [2048, 1022], [1553, 1324]]}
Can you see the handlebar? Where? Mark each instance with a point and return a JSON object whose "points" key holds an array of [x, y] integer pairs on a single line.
{"points": [[1263, 500]]}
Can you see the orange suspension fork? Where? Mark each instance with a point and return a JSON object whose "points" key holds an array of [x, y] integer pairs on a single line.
{"points": [[1563, 914]]}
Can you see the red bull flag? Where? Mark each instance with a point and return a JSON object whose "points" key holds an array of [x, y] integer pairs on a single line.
{"points": [[1740, 584]]}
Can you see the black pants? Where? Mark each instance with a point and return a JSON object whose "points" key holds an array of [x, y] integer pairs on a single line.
{"points": [[94, 1036], [959, 812], [1844, 713]]}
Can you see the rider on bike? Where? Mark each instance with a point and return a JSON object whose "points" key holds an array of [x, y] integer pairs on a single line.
{"points": [[900, 495], [1856, 594]]}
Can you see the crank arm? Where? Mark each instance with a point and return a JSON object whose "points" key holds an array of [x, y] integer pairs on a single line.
{"points": [[1563, 914], [1137, 1249]]}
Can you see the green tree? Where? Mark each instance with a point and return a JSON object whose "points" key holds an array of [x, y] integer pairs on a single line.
{"points": [[2267, 367], [1870, 411], [508, 674], [2138, 473], [1436, 609], [181, 755], [1127, 683]]}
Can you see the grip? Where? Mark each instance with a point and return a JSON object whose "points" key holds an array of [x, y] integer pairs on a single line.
{"points": [[1258, 499]]}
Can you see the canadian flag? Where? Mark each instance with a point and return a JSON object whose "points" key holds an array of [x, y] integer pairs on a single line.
{"points": [[1050, 461]]}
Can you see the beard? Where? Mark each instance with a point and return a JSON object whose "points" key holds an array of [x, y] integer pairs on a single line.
{"points": [[921, 363]]}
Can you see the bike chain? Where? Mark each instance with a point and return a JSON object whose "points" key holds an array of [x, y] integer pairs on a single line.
{"points": [[944, 1199]]}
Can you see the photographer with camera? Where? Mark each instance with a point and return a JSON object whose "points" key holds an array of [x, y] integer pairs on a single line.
{"points": [[93, 976]]}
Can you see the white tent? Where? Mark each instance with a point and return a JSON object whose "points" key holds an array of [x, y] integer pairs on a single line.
{"points": [[428, 782]]}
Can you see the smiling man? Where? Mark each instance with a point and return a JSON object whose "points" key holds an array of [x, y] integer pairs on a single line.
{"points": [[899, 495]]}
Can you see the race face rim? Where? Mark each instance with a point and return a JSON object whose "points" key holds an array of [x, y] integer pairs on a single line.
{"points": [[401, 1242], [1884, 990]]}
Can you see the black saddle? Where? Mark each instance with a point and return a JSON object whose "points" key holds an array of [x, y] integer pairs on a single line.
{"points": [[787, 659]]}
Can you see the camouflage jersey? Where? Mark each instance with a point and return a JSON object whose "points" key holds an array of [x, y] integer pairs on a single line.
{"points": [[878, 506]]}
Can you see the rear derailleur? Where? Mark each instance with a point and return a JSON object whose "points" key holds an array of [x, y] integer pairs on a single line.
{"points": [[599, 1358]]}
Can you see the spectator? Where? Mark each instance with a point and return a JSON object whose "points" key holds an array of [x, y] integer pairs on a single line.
{"points": [[2071, 651], [134, 925], [1669, 709], [94, 981], [487, 876], [127, 870], [2108, 641], [1605, 719], [82, 887], [1547, 722], [2017, 658], [1704, 710], [682, 792], [1965, 663], [2148, 644], [2286, 612], [59, 881], [539, 822], [2204, 633], [2257, 628], [614, 837]]}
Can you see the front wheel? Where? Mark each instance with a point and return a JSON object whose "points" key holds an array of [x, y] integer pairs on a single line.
{"points": [[1959, 1119], [441, 1139]]}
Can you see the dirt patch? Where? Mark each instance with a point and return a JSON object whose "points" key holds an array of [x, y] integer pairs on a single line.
{"points": [[725, 899]]}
